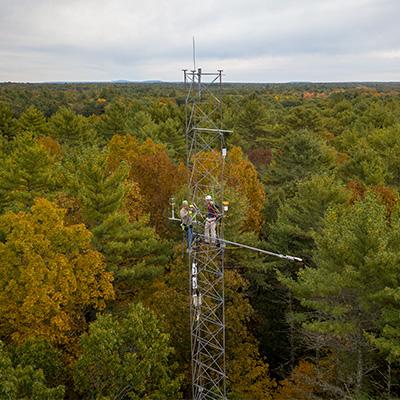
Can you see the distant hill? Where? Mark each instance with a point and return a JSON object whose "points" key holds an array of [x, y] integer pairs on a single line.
{"points": [[121, 81], [126, 81]]}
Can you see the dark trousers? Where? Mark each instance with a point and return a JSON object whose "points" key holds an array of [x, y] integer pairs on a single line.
{"points": [[189, 235]]}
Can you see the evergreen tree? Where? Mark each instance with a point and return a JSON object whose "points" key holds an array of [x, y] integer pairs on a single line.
{"points": [[132, 248], [372, 158], [142, 126], [32, 120], [100, 190], [252, 121], [7, 122], [71, 129], [387, 339], [298, 219], [365, 164], [123, 117], [28, 172], [170, 132], [302, 117], [300, 155], [358, 263], [301, 216], [115, 119]]}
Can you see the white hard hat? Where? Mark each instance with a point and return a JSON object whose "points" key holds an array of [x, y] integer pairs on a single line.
{"points": [[208, 198]]}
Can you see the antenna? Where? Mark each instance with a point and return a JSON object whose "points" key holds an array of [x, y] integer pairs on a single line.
{"points": [[194, 55]]}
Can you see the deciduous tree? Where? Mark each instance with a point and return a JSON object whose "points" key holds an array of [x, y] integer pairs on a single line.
{"points": [[149, 165], [50, 276], [126, 357], [23, 382]]}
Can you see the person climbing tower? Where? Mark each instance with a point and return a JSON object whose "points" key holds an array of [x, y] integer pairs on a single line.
{"points": [[187, 222], [210, 226]]}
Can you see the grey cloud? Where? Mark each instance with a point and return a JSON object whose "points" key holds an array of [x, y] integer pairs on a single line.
{"points": [[272, 40]]}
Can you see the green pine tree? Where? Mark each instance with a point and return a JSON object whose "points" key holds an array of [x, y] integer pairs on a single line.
{"points": [[32, 120], [170, 132], [100, 190], [132, 248], [71, 129], [7, 122], [351, 293], [298, 219], [27, 172], [252, 120], [115, 119], [301, 216], [387, 298], [300, 155]]}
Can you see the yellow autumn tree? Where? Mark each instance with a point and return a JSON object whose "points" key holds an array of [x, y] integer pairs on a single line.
{"points": [[241, 176], [50, 275], [152, 169]]}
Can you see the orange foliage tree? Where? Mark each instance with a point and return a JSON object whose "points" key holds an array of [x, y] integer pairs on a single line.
{"points": [[387, 195], [300, 385], [310, 380], [150, 166], [49, 275]]}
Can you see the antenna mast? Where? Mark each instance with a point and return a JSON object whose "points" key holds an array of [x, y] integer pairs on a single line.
{"points": [[194, 54]]}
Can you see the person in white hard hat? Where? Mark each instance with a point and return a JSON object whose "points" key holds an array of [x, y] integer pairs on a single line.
{"points": [[211, 220]]}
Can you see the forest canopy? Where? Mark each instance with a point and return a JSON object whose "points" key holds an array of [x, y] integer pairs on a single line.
{"points": [[93, 299]]}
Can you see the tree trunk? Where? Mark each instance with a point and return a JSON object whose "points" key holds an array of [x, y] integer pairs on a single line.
{"points": [[359, 375], [389, 379]]}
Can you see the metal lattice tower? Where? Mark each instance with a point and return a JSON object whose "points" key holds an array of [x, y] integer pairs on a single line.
{"points": [[206, 152]]}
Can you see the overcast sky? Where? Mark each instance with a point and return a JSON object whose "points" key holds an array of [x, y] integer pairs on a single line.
{"points": [[252, 40]]}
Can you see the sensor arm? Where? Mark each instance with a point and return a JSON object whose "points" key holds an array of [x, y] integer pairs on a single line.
{"points": [[270, 253]]}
